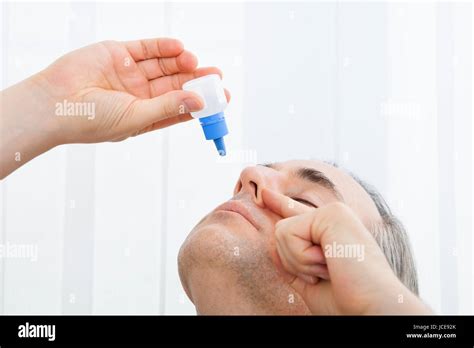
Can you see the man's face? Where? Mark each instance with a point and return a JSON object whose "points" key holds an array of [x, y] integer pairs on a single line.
{"points": [[229, 264]]}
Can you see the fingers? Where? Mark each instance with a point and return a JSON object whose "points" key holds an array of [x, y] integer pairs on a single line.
{"points": [[297, 252], [309, 279], [166, 123], [154, 68], [153, 48], [164, 63], [283, 205], [336, 222], [316, 293], [172, 120], [300, 284], [147, 112], [165, 84], [326, 227], [353, 258]]}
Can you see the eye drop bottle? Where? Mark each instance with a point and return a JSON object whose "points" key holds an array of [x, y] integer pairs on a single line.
{"points": [[211, 117]]}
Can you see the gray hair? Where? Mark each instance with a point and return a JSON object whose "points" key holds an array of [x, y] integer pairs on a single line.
{"points": [[392, 238]]}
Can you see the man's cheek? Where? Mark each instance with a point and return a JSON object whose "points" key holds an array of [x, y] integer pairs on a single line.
{"points": [[274, 254]]}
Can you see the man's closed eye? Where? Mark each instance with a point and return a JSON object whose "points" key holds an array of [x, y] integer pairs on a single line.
{"points": [[305, 202]]}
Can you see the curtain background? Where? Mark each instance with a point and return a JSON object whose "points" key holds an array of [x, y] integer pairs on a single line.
{"points": [[382, 88]]}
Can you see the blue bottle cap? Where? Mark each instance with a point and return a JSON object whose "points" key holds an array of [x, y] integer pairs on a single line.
{"points": [[215, 128]]}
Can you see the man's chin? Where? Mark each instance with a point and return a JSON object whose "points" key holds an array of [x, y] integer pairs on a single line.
{"points": [[213, 240], [231, 256]]}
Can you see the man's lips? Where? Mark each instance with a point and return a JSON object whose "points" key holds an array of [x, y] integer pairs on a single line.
{"points": [[239, 208]]}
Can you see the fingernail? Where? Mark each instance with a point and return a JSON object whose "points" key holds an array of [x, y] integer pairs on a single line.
{"points": [[192, 104], [308, 278], [324, 276]]}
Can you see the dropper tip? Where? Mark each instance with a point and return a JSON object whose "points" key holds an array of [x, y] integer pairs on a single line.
{"points": [[220, 146]]}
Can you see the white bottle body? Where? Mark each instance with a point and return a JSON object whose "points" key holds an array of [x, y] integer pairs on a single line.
{"points": [[211, 90]]}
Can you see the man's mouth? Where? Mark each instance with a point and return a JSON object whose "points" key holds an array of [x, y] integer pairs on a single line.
{"points": [[239, 208]]}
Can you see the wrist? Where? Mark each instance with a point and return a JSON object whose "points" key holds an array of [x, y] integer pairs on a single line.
{"points": [[46, 98], [27, 124], [396, 299]]}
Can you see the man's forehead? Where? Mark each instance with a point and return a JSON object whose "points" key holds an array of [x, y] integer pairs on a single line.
{"points": [[352, 192]]}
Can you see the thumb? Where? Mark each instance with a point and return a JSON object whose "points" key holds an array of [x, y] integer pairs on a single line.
{"points": [[174, 103]]}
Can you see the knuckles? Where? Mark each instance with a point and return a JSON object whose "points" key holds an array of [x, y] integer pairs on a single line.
{"points": [[338, 212]]}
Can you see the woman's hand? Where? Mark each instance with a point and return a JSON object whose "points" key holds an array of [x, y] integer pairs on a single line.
{"points": [[107, 91], [134, 86]]}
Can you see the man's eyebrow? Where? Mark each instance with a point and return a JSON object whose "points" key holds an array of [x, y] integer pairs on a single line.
{"points": [[317, 177], [314, 176], [268, 165]]}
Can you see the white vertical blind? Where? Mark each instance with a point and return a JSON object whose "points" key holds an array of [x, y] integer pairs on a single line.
{"points": [[34, 199], [412, 124], [461, 18], [128, 191]]}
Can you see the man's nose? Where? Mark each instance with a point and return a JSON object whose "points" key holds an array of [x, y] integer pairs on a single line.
{"points": [[253, 179]]}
